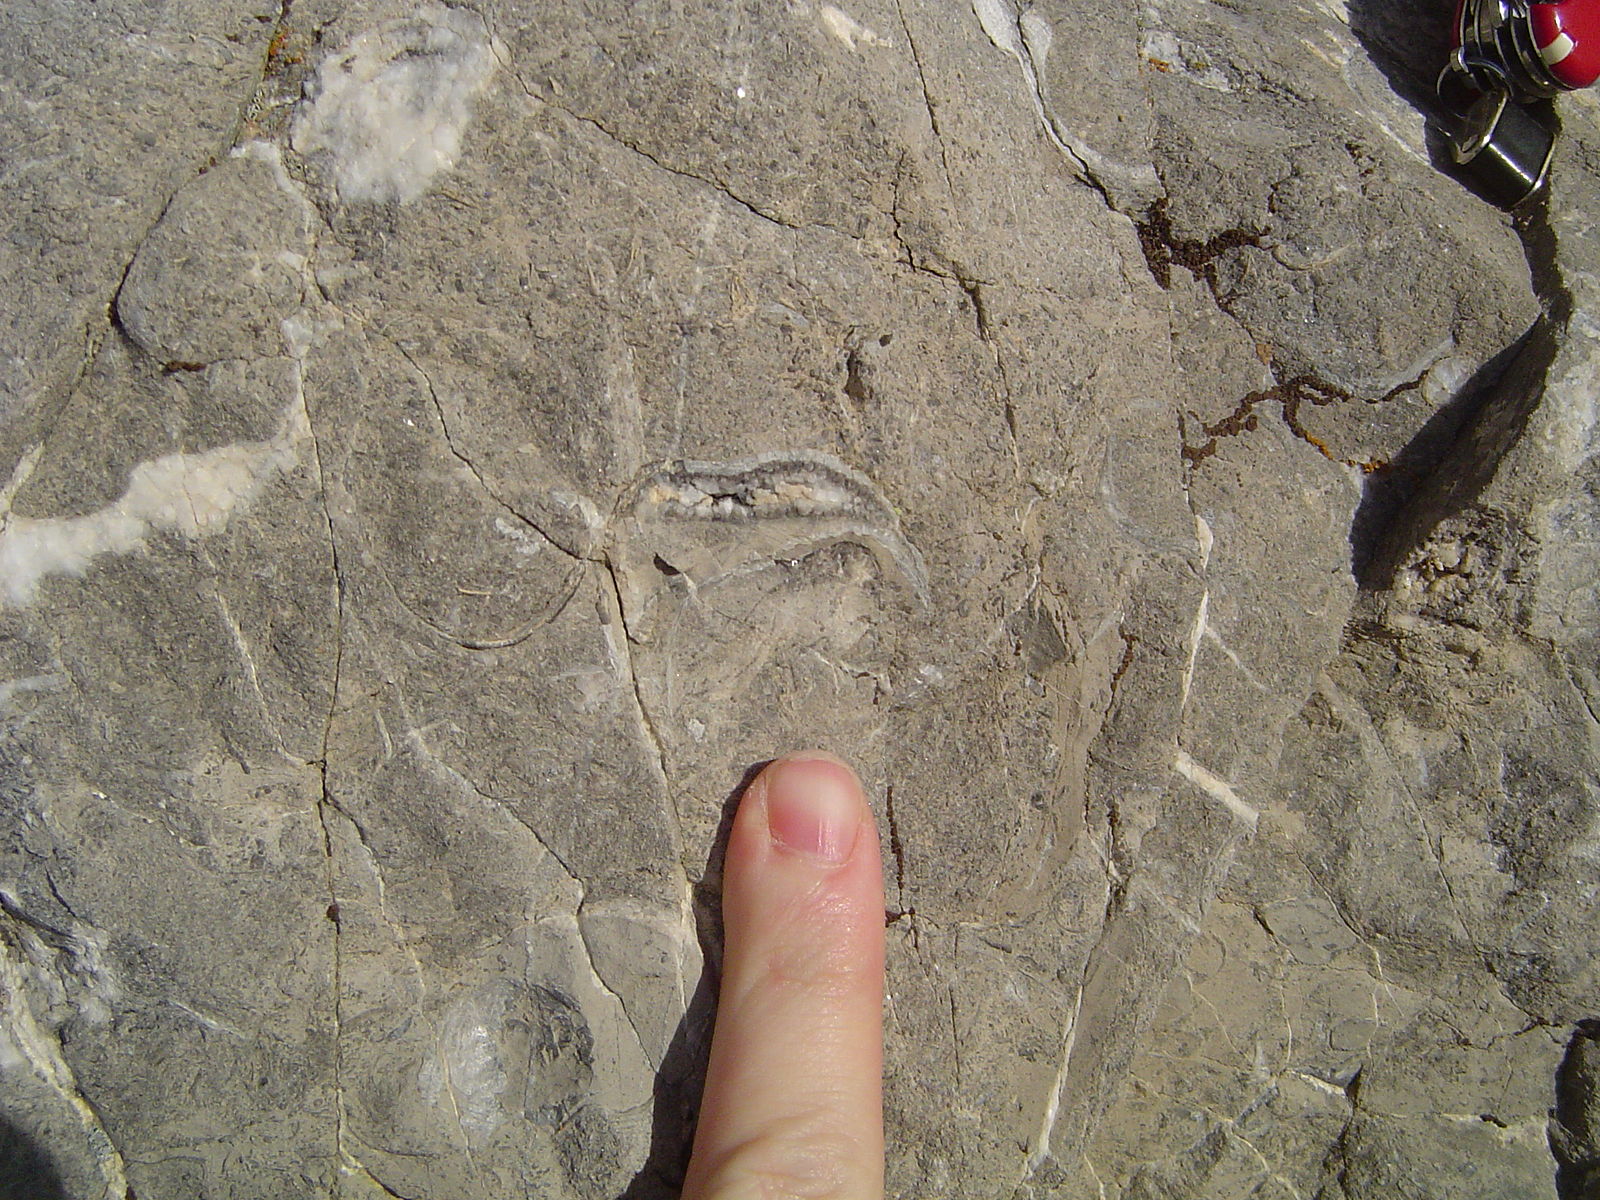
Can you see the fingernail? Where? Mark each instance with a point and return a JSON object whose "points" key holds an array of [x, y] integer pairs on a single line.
{"points": [[813, 807]]}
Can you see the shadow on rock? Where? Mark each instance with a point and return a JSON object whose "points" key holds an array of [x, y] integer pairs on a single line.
{"points": [[1575, 1132], [676, 1101], [1444, 466], [682, 1075], [1408, 41], [26, 1172]]}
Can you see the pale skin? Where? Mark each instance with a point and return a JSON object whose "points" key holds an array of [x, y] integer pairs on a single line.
{"points": [[793, 1104]]}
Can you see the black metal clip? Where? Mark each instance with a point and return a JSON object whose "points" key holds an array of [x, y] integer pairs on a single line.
{"points": [[1507, 55]]}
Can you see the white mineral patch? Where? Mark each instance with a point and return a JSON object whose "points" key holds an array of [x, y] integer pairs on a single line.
{"points": [[12, 688], [1203, 535], [999, 21], [1197, 631], [26, 465], [1216, 787], [389, 109], [191, 494], [466, 1077], [11, 1057], [526, 543], [1446, 378], [848, 30], [1040, 1150], [1164, 47]]}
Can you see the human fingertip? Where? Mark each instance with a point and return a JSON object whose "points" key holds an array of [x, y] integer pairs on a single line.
{"points": [[814, 806]]}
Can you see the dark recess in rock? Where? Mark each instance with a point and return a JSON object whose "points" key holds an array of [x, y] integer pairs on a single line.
{"points": [[26, 1171], [1575, 1129]]}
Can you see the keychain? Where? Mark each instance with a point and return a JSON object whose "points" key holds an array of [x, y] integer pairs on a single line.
{"points": [[1506, 55]]}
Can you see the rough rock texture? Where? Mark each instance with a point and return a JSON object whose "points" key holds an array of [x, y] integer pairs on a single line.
{"points": [[446, 446]]}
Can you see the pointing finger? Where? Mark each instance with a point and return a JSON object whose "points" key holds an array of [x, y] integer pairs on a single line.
{"points": [[793, 1101]]}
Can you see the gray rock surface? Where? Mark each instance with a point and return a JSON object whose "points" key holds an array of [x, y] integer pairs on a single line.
{"points": [[444, 447]]}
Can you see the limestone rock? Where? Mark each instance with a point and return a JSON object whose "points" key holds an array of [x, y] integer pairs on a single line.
{"points": [[445, 447]]}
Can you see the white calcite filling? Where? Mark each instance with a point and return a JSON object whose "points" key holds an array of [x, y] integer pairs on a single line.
{"points": [[194, 495], [387, 112]]}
